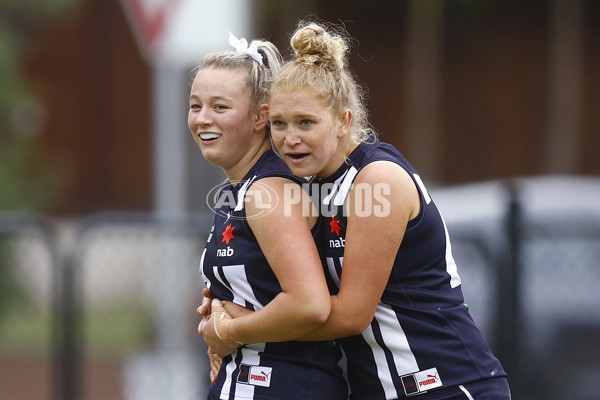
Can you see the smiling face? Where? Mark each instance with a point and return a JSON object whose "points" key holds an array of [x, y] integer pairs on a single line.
{"points": [[310, 137], [222, 119]]}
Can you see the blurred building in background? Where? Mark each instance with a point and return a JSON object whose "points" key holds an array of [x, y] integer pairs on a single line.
{"points": [[468, 90]]}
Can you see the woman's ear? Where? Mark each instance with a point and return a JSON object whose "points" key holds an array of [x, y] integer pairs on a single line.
{"points": [[345, 121], [261, 118]]}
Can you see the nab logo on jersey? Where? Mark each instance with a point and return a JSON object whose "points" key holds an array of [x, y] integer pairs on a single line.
{"points": [[336, 228], [341, 242], [228, 252]]}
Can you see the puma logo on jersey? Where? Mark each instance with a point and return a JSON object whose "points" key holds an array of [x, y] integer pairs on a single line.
{"points": [[421, 381], [429, 380], [262, 377], [255, 375], [228, 252]]}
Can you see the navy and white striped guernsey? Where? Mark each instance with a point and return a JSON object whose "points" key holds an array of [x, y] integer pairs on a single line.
{"points": [[422, 337], [235, 269]]}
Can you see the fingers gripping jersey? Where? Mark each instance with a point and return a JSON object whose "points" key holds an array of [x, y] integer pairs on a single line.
{"points": [[235, 269], [421, 337]]}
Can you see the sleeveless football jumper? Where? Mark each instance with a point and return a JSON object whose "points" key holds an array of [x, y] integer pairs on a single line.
{"points": [[422, 338], [235, 269]]}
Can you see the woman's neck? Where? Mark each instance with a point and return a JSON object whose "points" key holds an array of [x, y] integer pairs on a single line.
{"points": [[237, 172], [345, 148]]}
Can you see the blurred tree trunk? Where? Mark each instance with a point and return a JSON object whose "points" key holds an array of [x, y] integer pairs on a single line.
{"points": [[564, 125], [423, 86]]}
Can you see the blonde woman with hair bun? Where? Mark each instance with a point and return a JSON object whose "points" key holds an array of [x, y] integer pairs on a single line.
{"points": [[397, 307]]}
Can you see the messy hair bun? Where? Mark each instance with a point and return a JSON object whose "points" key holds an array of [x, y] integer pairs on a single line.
{"points": [[320, 63], [312, 44]]}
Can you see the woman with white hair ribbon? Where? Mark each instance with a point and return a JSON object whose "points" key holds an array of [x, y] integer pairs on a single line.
{"points": [[261, 254]]}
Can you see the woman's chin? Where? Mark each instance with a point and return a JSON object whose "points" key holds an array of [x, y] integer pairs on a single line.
{"points": [[211, 156]]}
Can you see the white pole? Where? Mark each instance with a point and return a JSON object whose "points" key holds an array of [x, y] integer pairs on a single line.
{"points": [[170, 197]]}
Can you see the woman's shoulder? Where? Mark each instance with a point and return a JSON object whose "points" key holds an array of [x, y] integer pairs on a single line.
{"points": [[271, 165], [374, 150]]}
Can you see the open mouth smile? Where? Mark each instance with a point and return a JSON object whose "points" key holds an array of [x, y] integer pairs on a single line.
{"points": [[209, 137]]}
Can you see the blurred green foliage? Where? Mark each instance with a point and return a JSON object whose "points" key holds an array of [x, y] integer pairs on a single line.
{"points": [[12, 295], [10, 291], [23, 182]]}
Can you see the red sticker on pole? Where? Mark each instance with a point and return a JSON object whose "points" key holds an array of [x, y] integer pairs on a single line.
{"points": [[148, 19]]}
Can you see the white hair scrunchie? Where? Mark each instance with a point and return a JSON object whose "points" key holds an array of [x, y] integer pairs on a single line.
{"points": [[241, 46]]}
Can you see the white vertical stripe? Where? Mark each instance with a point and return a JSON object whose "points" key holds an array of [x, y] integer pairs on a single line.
{"points": [[229, 369], [332, 271], [201, 268], [423, 188], [451, 267], [383, 373], [345, 187], [242, 193], [219, 277], [240, 287], [395, 339], [334, 187], [250, 357], [466, 392]]}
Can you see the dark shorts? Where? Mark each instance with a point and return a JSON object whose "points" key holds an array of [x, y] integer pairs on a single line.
{"points": [[488, 389]]}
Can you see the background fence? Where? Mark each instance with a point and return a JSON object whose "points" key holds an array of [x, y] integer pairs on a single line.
{"points": [[28, 327], [107, 311]]}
